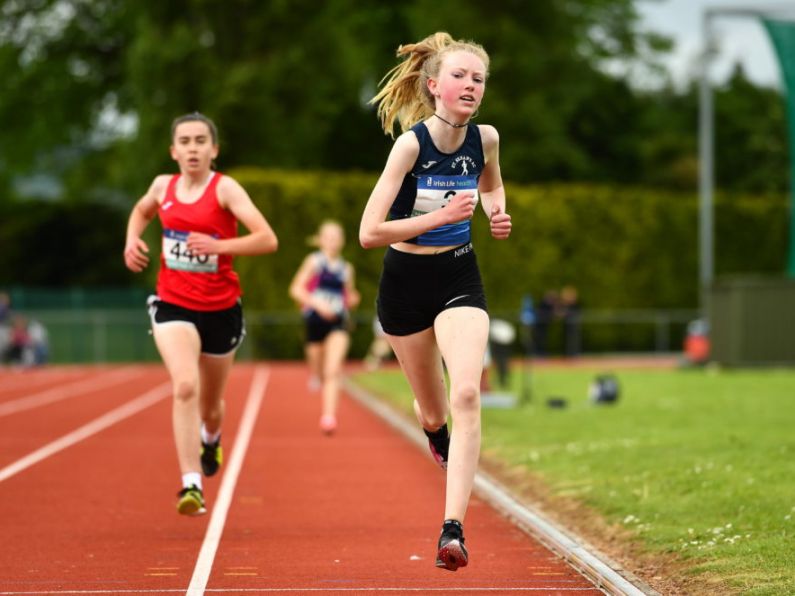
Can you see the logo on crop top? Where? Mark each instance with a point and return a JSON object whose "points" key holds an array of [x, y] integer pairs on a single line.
{"points": [[464, 161], [425, 166], [167, 205]]}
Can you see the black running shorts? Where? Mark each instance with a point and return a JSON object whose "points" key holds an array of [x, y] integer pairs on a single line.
{"points": [[220, 331], [318, 328], [414, 289]]}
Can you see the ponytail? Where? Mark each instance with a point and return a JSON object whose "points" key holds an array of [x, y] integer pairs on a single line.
{"points": [[404, 96]]}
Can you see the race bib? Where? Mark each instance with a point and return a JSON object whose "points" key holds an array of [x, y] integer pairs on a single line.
{"points": [[178, 256], [333, 299], [435, 192]]}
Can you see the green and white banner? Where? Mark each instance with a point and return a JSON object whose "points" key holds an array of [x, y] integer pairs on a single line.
{"points": [[782, 33]]}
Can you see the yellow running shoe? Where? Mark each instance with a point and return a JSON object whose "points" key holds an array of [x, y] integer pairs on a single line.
{"points": [[212, 457], [191, 501]]}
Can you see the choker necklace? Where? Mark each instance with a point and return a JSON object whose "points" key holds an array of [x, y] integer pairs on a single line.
{"points": [[450, 123]]}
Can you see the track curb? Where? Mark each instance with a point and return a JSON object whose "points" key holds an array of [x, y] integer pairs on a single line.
{"points": [[605, 574]]}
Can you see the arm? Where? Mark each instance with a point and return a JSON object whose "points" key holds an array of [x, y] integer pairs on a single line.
{"points": [[352, 296], [261, 238], [144, 211], [492, 192], [375, 231]]}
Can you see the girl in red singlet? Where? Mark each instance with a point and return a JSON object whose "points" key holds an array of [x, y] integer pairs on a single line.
{"points": [[197, 318]]}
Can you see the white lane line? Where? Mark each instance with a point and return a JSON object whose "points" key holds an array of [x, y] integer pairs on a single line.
{"points": [[204, 564], [12, 379], [98, 424], [445, 590], [58, 393]]}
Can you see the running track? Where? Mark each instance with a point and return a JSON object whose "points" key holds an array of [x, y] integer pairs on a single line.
{"points": [[88, 482]]}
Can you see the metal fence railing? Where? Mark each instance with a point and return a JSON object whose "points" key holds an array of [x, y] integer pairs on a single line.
{"points": [[122, 335]]}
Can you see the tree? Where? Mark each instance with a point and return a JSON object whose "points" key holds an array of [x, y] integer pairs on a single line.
{"points": [[287, 82]]}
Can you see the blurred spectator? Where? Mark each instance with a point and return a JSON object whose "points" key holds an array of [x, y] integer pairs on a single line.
{"points": [[19, 342], [379, 349], [527, 319], [39, 343], [697, 344], [569, 312], [501, 339], [25, 343], [5, 308], [553, 306], [5, 330], [545, 315]]}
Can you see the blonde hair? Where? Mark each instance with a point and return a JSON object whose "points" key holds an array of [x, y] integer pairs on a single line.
{"points": [[405, 96], [314, 240]]}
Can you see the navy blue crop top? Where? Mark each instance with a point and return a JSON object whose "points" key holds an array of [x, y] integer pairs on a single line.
{"points": [[434, 179]]}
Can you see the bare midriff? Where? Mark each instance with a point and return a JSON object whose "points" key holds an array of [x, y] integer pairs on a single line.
{"points": [[418, 249]]}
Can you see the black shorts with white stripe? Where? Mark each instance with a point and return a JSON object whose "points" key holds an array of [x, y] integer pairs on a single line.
{"points": [[220, 331], [414, 288]]}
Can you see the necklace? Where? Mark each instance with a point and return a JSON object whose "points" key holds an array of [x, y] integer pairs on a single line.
{"points": [[450, 123]]}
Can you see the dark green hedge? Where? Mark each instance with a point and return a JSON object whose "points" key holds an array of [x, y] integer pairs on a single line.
{"points": [[621, 247]]}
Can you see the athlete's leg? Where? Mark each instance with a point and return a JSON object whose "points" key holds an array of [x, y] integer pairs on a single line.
{"points": [[462, 334], [335, 348], [214, 372], [179, 346], [314, 359], [422, 364]]}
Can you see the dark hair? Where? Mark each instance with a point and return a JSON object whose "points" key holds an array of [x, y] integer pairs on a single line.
{"points": [[195, 117]]}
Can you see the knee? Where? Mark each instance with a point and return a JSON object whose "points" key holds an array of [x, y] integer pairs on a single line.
{"points": [[185, 389], [465, 397], [331, 373]]}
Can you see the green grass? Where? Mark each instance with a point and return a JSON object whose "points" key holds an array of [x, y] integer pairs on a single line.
{"points": [[697, 463]]}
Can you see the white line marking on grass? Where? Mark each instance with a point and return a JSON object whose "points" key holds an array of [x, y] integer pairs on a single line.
{"points": [[489, 490], [98, 424], [204, 564], [58, 393]]}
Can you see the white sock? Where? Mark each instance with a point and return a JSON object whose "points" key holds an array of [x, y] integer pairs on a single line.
{"points": [[192, 479], [209, 438]]}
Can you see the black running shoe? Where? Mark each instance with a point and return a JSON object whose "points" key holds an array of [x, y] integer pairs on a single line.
{"points": [[212, 457], [439, 442], [191, 501], [452, 552]]}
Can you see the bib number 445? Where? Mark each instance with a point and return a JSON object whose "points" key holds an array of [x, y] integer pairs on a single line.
{"points": [[179, 256]]}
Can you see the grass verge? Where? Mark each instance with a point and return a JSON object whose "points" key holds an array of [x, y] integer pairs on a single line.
{"points": [[695, 466]]}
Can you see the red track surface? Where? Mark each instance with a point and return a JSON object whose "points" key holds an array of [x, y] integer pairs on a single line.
{"points": [[356, 513]]}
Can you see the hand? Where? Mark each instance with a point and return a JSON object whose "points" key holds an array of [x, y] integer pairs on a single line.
{"points": [[202, 244], [135, 257], [500, 223], [352, 299], [461, 207], [322, 308]]}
